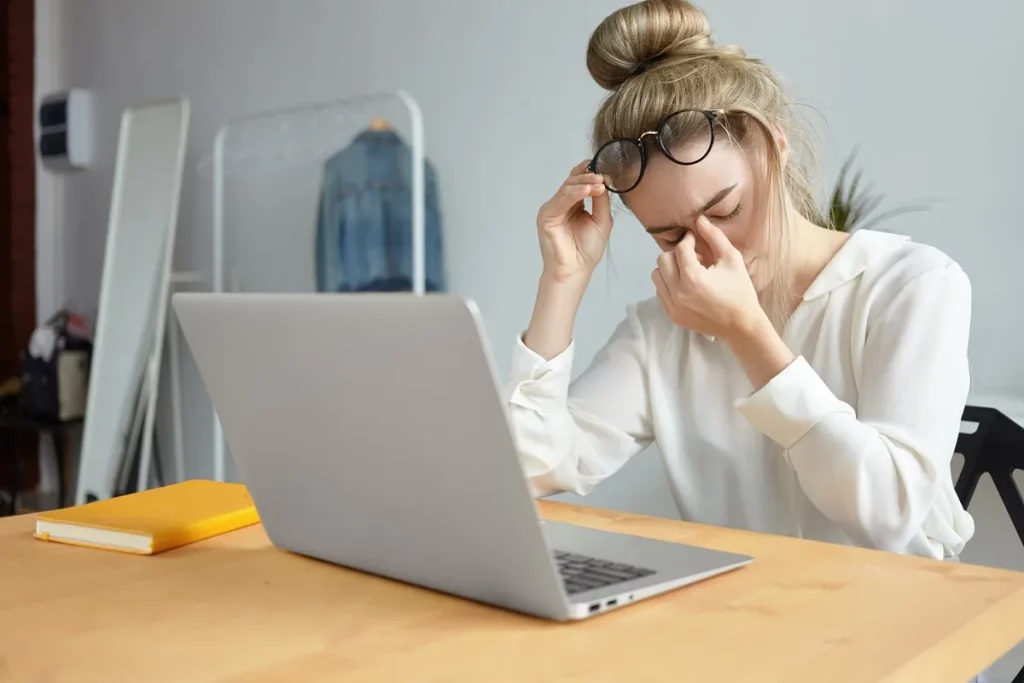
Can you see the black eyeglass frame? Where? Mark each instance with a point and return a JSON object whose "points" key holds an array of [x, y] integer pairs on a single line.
{"points": [[711, 115]]}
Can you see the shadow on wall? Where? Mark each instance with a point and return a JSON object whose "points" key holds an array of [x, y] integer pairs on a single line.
{"points": [[640, 487]]}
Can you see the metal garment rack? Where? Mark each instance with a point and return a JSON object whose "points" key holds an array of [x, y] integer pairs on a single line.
{"points": [[329, 117]]}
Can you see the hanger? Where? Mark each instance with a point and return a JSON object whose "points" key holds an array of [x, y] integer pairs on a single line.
{"points": [[380, 124]]}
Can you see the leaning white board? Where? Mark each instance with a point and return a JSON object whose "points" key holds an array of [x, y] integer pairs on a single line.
{"points": [[136, 279]]}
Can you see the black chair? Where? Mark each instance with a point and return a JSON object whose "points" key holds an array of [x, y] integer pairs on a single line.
{"points": [[996, 447]]}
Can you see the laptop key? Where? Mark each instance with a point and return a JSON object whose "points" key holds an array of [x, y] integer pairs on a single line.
{"points": [[570, 557], [613, 574], [620, 567], [581, 573]]}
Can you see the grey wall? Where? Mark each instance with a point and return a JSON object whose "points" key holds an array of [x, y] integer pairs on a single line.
{"points": [[925, 92]]}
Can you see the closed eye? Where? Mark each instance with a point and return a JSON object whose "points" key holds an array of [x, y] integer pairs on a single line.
{"points": [[732, 214], [665, 234], [677, 240]]}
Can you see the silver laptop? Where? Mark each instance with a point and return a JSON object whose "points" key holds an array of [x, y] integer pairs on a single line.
{"points": [[371, 433]]}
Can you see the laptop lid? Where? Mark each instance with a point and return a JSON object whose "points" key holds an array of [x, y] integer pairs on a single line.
{"points": [[370, 431]]}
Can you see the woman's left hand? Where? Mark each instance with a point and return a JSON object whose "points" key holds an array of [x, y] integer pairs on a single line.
{"points": [[717, 298]]}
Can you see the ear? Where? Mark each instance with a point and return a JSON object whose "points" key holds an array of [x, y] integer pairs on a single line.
{"points": [[781, 144]]}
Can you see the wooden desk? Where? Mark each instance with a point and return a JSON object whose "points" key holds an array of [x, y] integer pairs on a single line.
{"points": [[236, 609]]}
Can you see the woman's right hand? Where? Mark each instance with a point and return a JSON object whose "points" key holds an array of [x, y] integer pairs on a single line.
{"points": [[572, 240]]}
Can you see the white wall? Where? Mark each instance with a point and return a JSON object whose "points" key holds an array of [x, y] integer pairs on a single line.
{"points": [[506, 121], [49, 75], [924, 98], [504, 125]]}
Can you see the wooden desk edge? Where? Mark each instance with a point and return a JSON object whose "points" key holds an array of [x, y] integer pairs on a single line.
{"points": [[969, 643], [955, 653]]}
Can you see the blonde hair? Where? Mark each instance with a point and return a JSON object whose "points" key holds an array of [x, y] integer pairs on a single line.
{"points": [[657, 57]]}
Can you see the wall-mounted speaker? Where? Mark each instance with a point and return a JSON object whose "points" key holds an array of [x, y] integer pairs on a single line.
{"points": [[66, 130]]}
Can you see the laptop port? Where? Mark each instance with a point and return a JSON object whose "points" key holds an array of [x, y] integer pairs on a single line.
{"points": [[595, 607], [612, 603]]}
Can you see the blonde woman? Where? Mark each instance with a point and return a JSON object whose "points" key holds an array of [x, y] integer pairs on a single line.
{"points": [[795, 379]]}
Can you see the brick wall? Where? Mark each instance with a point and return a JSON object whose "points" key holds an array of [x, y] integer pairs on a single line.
{"points": [[17, 201]]}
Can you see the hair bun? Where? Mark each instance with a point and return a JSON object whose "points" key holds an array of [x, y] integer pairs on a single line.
{"points": [[636, 35]]}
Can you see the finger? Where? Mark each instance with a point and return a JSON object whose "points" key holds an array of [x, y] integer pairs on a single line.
{"points": [[580, 167], [668, 268], [602, 210], [585, 179], [720, 245], [556, 210], [660, 287], [686, 254], [566, 198]]}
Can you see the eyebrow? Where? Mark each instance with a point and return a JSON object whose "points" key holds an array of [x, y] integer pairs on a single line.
{"points": [[719, 196]]}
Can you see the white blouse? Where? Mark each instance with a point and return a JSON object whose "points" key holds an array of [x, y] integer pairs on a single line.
{"points": [[849, 444]]}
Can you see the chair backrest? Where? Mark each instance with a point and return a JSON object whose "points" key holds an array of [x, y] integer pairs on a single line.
{"points": [[970, 445], [995, 447]]}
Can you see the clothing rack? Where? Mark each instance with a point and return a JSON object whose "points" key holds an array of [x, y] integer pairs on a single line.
{"points": [[322, 125]]}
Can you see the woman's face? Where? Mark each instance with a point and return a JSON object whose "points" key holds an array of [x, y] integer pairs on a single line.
{"points": [[723, 186]]}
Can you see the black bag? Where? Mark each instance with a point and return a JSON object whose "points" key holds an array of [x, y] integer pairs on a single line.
{"points": [[54, 384]]}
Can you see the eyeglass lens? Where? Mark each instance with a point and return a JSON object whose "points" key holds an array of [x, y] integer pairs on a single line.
{"points": [[685, 137]]}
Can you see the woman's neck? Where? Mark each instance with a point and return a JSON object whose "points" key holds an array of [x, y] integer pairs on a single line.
{"points": [[811, 249]]}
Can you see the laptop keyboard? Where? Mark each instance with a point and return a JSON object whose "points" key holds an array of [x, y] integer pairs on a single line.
{"points": [[581, 573]]}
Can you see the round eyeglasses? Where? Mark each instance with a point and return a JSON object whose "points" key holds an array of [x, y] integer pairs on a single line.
{"points": [[685, 137]]}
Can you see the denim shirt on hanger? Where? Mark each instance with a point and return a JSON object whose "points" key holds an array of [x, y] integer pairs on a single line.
{"points": [[364, 219]]}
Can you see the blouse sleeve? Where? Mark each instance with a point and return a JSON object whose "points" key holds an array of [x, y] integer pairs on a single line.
{"points": [[877, 468], [572, 435]]}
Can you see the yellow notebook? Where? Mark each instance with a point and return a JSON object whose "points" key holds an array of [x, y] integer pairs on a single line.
{"points": [[152, 521]]}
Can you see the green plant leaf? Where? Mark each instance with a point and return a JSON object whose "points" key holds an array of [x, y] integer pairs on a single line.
{"points": [[854, 205]]}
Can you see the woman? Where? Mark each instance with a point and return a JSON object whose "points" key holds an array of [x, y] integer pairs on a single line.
{"points": [[795, 379]]}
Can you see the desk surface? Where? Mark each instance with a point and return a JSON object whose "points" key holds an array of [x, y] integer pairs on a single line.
{"points": [[235, 609]]}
